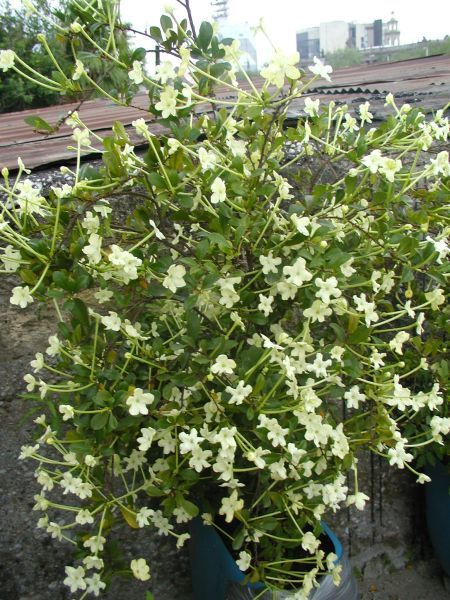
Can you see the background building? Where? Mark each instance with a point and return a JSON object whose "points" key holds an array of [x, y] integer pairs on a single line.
{"points": [[336, 35]]}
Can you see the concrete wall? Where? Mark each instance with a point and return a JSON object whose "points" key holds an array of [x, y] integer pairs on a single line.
{"points": [[333, 36]]}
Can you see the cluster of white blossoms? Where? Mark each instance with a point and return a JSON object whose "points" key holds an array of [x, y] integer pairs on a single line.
{"points": [[246, 305]]}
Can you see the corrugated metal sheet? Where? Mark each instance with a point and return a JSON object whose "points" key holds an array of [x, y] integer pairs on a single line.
{"points": [[424, 81]]}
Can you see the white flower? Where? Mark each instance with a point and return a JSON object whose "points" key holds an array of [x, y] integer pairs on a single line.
{"points": [[366, 307], [126, 263], [239, 393], [359, 500], [28, 451], [189, 441], [256, 457], [281, 66], [7, 59], [398, 456], [164, 72], [139, 401], [103, 296], [346, 269], [318, 311], [310, 542], [67, 411], [327, 288], [75, 578], [182, 539], [265, 304], [396, 344], [81, 136], [230, 506], [219, 191], [31, 382], [269, 263], [440, 425], [90, 222], [174, 278], [136, 75], [84, 517], [297, 274], [228, 295], [244, 560], [94, 249], [79, 70], [311, 107], [21, 296], [223, 365], [140, 569], [440, 246], [354, 397], [143, 515], [141, 127], [301, 224], [320, 69], [94, 584], [181, 515], [112, 322], [95, 543], [146, 440], [423, 478], [10, 259], [199, 458], [436, 297], [440, 164], [389, 167], [207, 159], [90, 461], [373, 161], [168, 102], [364, 113], [158, 234], [276, 434], [286, 290]]}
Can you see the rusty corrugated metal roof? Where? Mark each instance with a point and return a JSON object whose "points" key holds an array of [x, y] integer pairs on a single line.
{"points": [[425, 81]]}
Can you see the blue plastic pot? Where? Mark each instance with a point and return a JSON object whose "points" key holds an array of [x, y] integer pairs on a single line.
{"points": [[438, 513], [214, 569]]}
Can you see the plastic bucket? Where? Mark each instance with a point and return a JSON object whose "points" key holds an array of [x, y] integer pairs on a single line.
{"points": [[215, 575], [438, 513]]}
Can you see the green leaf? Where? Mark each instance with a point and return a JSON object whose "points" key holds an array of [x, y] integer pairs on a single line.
{"points": [[166, 23], [238, 539], [194, 325], [139, 54], [204, 35], [38, 124], [99, 420], [189, 507], [28, 276], [130, 517], [154, 492], [156, 34]]}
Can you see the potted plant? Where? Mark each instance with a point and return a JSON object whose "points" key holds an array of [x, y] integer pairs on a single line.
{"points": [[230, 322]]}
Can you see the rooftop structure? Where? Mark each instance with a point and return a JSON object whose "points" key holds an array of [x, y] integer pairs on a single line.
{"points": [[423, 82]]}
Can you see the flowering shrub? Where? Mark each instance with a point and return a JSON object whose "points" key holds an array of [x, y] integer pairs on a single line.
{"points": [[229, 345]]}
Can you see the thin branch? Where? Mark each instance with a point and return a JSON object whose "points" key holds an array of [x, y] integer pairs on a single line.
{"points": [[187, 6]]}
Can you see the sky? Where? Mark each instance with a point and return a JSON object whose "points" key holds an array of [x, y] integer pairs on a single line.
{"points": [[283, 18]]}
